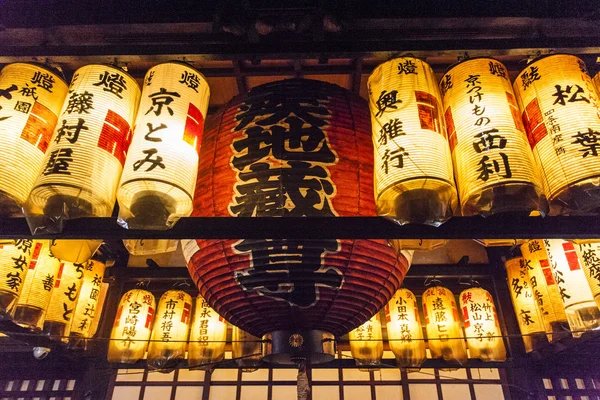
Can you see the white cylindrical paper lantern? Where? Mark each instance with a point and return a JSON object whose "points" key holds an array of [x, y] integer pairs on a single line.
{"points": [[560, 109], [404, 331], [146, 247], [208, 336], [64, 298], [159, 177], [581, 309], [589, 256], [88, 307], [84, 161], [366, 343], [413, 165], [493, 163], [482, 327], [14, 264], [30, 100]]}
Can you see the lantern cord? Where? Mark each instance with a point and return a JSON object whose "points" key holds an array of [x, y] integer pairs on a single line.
{"points": [[470, 282], [180, 284], [430, 281]]}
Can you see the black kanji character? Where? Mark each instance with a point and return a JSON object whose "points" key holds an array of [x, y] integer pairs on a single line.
{"points": [[486, 168], [161, 99], [58, 163], [14, 280], [48, 282], [80, 103], [387, 100], [589, 141], [29, 91], [154, 162], [43, 80], [487, 141], [70, 131], [71, 292], [114, 83], [528, 77], [190, 80], [408, 67], [151, 130], [561, 95], [22, 106]]}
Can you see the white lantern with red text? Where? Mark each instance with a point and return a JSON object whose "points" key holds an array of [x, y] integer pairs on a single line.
{"points": [[581, 309], [171, 330], [366, 343], [14, 264], [405, 335], [132, 327], [159, 176], [88, 306], [413, 165], [526, 311], [482, 328], [83, 163], [30, 102], [208, 336], [561, 111], [444, 333], [37, 288], [589, 256]]}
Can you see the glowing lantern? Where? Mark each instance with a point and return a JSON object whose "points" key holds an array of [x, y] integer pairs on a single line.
{"points": [[414, 181], [159, 176], [417, 244], [530, 323], [500, 242], [545, 290], [64, 298], [597, 82], [366, 343], [494, 165], [146, 247], [14, 264], [482, 328], [562, 119], [169, 335], [404, 330], [246, 349], [31, 100], [207, 340], [444, 333], [99, 307], [582, 312], [38, 286], [292, 148], [81, 170], [88, 307], [75, 251], [589, 256], [132, 328]]}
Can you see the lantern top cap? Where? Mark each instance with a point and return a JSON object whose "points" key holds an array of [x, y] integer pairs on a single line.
{"points": [[466, 60], [180, 62], [544, 57], [395, 59], [107, 65], [43, 66]]}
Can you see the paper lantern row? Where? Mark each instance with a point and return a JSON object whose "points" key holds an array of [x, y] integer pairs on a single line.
{"points": [[555, 288], [73, 143], [443, 325], [40, 291], [520, 148]]}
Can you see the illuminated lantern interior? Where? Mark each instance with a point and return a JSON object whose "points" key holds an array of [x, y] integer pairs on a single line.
{"points": [[597, 82], [14, 265], [159, 177], [366, 343], [147, 247], [545, 290], [405, 334], [589, 257], [444, 332], [75, 251], [64, 298], [414, 181], [208, 336], [37, 288], [417, 244], [81, 170], [171, 330], [526, 311], [132, 328], [560, 105], [89, 305], [500, 242], [493, 163], [582, 312], [482, 328], [246, 349], [34, 96]]}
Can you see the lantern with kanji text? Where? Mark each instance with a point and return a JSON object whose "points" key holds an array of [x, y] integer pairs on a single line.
{"points": [[405, 335], [561, 112], [64, 298], [291, 148], [14, 265], [444, 333], [482, 327], [208, 336], [132, 327], [88, 308], [30, 100], [81, 170], [366, 343], [414, 182], [171, 330], [159, 176], [589, 257]]}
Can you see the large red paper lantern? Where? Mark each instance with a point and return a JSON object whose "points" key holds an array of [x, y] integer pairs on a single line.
{"points": [[292, 148]]}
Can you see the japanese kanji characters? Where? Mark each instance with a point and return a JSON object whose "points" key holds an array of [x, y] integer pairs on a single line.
{"points": [[405, 334], [208, 335], [366, 343]]}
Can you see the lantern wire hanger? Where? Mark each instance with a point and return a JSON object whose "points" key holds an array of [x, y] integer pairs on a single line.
{"points": [[471, 282], [181, 284], [143, 284], [430, 281]]}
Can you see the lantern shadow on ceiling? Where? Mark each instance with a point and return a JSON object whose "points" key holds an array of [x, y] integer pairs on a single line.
{"points": [[292, 148]]}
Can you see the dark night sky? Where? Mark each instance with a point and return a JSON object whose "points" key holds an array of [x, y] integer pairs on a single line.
{"points": [[39, 13]]}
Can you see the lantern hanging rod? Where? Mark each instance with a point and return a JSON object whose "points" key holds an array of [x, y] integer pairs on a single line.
{"points": [[503, 227]]}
